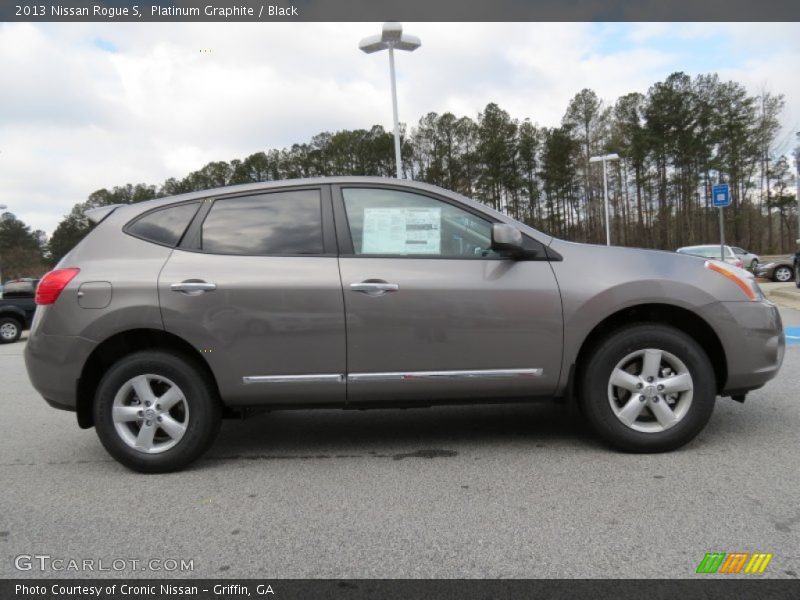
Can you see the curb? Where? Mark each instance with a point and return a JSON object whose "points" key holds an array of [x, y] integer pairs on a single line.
{"points": [[784, 297]]}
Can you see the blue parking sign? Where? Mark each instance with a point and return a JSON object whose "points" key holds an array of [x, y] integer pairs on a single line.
{"points": [[720, 195]]}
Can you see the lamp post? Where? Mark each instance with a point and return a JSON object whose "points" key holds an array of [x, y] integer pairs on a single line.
{"points": [[391, 38], [604, 159], [2, 208]]}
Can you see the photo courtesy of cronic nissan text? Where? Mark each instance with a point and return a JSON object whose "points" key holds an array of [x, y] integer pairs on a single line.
{"points": [[399, 299]]}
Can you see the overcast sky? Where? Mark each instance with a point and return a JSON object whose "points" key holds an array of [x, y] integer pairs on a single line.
{"points": [[91, 105]]}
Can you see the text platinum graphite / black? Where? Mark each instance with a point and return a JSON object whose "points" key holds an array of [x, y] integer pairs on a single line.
{"points": [[112, 12]]}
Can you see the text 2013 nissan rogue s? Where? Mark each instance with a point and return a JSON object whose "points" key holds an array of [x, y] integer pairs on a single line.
{"points": [[366, 293]]}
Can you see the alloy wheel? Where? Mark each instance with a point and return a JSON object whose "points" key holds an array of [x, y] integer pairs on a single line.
{"points": [[150, 413], [8, 331], [783, 274], [650, 390]]}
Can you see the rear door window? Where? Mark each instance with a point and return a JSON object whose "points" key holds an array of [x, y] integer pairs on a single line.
{"points": [[277, 223]]}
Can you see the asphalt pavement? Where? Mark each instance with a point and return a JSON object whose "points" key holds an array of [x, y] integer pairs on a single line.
{"points": [[489, 491]]}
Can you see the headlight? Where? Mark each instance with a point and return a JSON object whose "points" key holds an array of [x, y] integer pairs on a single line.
{"points": [[740, 277]]}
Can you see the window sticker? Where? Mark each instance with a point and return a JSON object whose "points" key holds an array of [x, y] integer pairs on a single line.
{"points": [[402, 231]]}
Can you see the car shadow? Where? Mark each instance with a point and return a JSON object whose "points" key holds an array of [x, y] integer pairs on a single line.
{"points": [[397, 433]]}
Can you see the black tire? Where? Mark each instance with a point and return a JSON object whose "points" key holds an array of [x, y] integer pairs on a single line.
{"points": [[202, 423], [754, 265], [10, 330], [797, 275], [594, 379]]}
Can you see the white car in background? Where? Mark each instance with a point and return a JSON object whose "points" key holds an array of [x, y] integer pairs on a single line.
{"points": [[749, 259], [712, 251]]}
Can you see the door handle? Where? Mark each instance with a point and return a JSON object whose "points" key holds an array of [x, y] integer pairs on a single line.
{"points": [[374, 288], [193, 287]]}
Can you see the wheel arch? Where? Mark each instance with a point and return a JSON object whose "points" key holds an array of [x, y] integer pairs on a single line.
{"points": [[668, 314], [119, 345], [15, 313]]}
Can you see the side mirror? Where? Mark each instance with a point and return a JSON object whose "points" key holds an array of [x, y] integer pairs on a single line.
{"points": [[508, 240]]}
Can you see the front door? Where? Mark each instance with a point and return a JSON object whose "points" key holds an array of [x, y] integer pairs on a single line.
{"points": [[431, 312], [255, 288]]}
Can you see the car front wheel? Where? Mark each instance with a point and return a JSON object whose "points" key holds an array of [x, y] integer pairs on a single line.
{"points": [[783, 274], [647, 388], [156, 412]]}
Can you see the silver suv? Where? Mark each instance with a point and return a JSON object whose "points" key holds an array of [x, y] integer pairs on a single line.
{"points": [[369, 293]]}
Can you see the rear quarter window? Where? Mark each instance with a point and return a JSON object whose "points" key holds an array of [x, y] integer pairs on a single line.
{"points": [[164, 226]]}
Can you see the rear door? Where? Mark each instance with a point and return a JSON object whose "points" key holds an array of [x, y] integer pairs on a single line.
{"points": [[255, 287], [431, 312]]}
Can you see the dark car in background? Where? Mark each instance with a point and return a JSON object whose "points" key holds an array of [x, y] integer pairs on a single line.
{"points": [[780, 270], [16, 308]]}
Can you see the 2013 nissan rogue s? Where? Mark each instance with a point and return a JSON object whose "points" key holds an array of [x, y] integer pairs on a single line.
{"points": [[364, 293]]}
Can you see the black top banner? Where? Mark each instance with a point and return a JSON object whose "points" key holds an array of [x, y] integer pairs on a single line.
{"points": [[402, 10]]}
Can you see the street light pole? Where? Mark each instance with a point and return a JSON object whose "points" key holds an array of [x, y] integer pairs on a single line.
{"points": [[604, 159], [391, 38], [2, 208], [605, 201], [397, 158]]}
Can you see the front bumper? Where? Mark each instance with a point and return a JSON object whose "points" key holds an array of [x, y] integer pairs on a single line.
{"points": [[753, 340], [765, 271], [54, 364]]}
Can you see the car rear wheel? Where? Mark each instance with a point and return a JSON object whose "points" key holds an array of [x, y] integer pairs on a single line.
{"points": [[783, 274], [648, 388], [797, 275], [156, 412], [754, 265], [10, 330]]}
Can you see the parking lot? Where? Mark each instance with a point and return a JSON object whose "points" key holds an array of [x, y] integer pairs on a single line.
{"points": [[489, 491]]}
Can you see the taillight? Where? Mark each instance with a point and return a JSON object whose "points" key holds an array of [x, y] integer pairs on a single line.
{"points": [[739, 264], [52, 284]]}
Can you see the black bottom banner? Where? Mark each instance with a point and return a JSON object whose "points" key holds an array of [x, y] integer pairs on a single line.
{"points": [[406, 589]]}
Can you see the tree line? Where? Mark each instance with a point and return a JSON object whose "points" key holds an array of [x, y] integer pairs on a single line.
{"points": [[675, 142], [23, 253]]}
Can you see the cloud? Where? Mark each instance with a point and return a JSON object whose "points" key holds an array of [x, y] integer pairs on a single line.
{"points": [[91, 105]]}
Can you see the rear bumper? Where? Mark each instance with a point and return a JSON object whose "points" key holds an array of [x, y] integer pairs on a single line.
{"points": [[54, 364], [752, 337]]}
